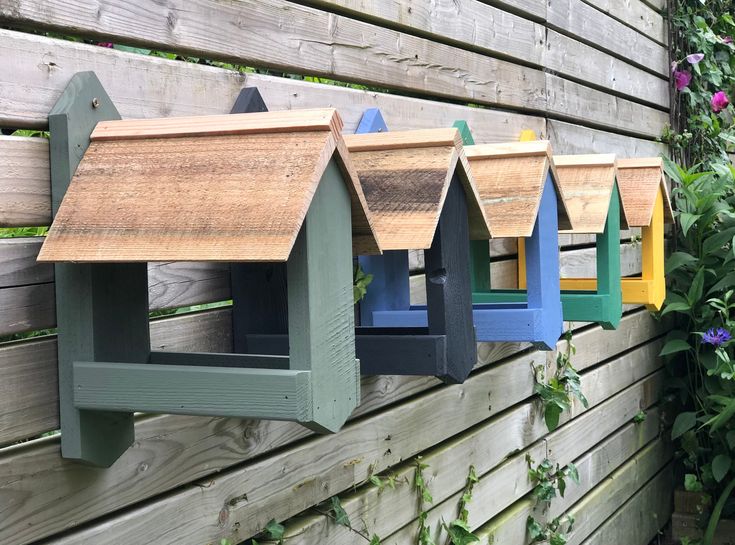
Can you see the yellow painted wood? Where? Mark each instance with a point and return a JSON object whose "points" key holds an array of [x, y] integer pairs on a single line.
{"points": [[649, 289]]}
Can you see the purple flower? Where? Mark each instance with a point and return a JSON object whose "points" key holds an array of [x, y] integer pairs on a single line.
{"points": [[727, 40], [682, 78], [716, 338], [719, 101], [105, 44], [694, 58]]}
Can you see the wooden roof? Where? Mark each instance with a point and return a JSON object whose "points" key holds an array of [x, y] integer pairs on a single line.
{"points": [[587, 182], [638, 181], [510, 178], [216, 188], [406, 176]]}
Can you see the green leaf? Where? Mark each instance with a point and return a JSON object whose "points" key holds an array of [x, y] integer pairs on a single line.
{"points": [[551, 416], [138, 50], [375, 540], [692, 484], [687, 220], [716, 241], [678, 259], [720, 466], [274, 530], [676, 307], [731, 439], [722, 418], [340, 515], [573, 473], [725, 283], [673, 346], [684, 422], [695, 290], [460, 533]]}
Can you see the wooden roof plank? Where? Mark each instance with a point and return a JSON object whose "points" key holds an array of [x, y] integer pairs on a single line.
{"points": [[204, 195], [587, 182], [405, 176], [639, 179], [511, 177]]}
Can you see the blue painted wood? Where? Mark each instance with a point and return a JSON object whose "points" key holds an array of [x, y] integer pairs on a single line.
{"points": [[371, 121], [542, 269]]}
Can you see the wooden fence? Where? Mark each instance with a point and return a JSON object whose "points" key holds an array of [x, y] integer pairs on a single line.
{"points": [[591, 75]]}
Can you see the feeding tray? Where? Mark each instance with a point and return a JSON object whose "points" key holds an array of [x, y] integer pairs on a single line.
{"points": [[518, 188], [255, 188]]}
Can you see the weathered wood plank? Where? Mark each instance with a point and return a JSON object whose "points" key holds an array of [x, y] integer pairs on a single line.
{"points": [[465, 23], [574, 101], [175, 450], [24, 181], [18, 265], [579, 61], [30, 307], [637, 15], [509, 527], [46, 65], [499, 489], [588, 24], [448, 466], [638, 521], [294, 38], [569, 138]]}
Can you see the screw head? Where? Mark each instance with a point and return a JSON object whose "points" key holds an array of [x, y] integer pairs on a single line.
{"points": [[95, 102]]}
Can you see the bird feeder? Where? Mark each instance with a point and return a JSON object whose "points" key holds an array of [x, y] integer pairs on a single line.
{"points": [[646, 203], [263, 188], [518, 188], [421, 197], [593, 203]]}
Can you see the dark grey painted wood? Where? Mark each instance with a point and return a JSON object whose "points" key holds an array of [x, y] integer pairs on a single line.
{"points": [[207, 359], [448, 288], [102, 310]]}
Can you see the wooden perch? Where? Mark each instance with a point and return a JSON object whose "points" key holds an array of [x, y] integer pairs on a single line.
{"points": [[406, 176], [216, 188], [510, 178]]}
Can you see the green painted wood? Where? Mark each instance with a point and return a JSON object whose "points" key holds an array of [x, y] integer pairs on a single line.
{"points": [[479, 249], [605, 306], [207, 359], [194, 390], [101, 310], [321, 321]]}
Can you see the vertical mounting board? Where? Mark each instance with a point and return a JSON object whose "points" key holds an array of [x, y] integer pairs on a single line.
{"points": [[101, 309]]}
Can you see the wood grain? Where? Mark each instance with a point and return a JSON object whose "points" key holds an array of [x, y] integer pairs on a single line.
{"points": [[510, 179], [637, 15], [195, 198], [586, 182], [406, 176], [175, 450], [588, 24], [568, 138], [24, 182], [639, 181], [296, 39]]}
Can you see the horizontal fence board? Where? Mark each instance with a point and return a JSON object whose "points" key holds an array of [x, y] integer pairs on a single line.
{"points": [[18, 265], [487, 503], [639, 520], [568, 57], [575, 18], [509, 528], [468, 23], [636, 15], [285, 36], [320, 469], [32, 307], [133, 82], [569, 138], [24, 180], [582, 103], [173, 450], [448, 464]]}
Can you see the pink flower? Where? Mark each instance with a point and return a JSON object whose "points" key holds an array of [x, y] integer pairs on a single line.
{"points": [[727, 40], [719, 101], [694, 58], [105, 44], [674, 64], [682, 78]]}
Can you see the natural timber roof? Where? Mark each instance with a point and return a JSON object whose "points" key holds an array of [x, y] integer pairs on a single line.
{"points": [[639, 180], [406, 176], [510, 179], [216, 188], [587, 182]]}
